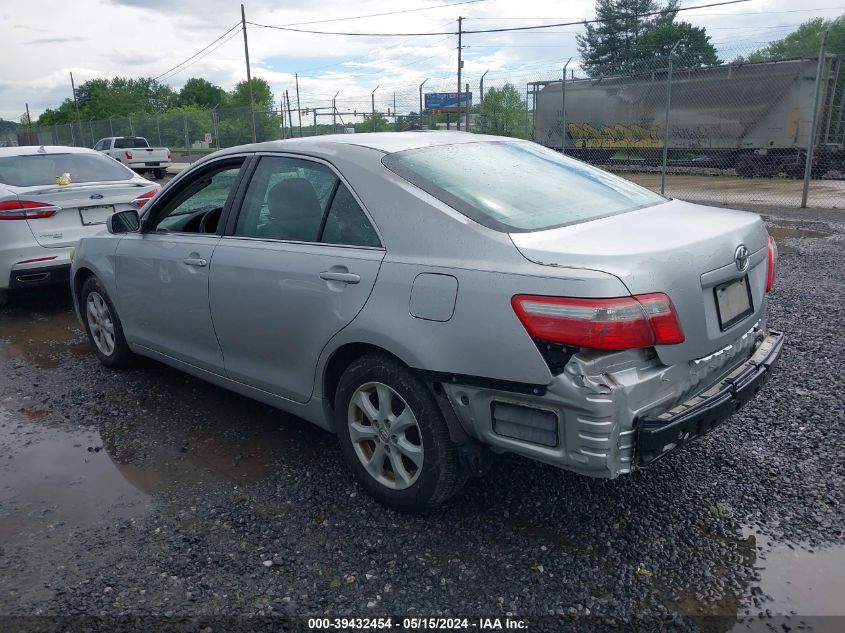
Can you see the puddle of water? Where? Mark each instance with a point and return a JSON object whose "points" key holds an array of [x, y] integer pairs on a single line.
{"points": [[50, 477], [780, 231], [39, 327]]}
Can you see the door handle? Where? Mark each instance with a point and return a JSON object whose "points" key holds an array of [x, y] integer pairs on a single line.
{"points": [[195, 261], [348, 278]]}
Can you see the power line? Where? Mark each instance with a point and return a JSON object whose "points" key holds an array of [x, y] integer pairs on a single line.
{"points": [[722, 14], [198, 59], [167, 72], [376, 15], [500, 30]]}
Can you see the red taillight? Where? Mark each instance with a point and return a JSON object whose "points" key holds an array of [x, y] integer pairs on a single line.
{"points": [[169, 155], [612, 324], [26, 210], [128, 155], [772, 267], [144, 198]]}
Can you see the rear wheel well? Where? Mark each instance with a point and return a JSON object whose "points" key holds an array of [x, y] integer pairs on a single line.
{"points": [[340, 360]]}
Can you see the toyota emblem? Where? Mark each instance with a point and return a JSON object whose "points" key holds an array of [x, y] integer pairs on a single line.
{"points": [[741, 258]]}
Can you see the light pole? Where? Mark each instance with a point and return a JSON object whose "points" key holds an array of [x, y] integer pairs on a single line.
{"points": [[373, 101], [334, 112], [481, 103], [666, 124], [563, 108], [421, 102]]}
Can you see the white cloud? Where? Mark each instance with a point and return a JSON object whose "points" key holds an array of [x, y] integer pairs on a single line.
{"points": [[106, 38]]}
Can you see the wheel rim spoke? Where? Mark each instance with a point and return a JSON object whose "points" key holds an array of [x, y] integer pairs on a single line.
{"points": [[401, 474], [403, 422], [362, 433], [362, 401], [385, 398], [411, 451], [376, 462]]}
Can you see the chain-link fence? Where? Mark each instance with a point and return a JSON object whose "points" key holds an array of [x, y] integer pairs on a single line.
{"points": [[739, 133]]}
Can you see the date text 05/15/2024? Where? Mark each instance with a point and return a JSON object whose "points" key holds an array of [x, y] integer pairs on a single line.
{"points": [[416, 623]]}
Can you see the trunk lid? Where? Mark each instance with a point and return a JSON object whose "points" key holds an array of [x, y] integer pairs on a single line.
{"points": [[682, 249], [84, 208]]}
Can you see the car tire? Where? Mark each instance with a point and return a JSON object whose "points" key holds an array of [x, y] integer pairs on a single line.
{"points": [[103, 326], [4, 297], [403, 427]]}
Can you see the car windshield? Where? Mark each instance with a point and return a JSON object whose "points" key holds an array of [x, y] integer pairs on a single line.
{"points": [[516, 186], [35, 170]]}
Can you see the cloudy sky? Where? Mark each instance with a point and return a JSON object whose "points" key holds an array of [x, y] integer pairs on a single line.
{"points": [[45, 40]]}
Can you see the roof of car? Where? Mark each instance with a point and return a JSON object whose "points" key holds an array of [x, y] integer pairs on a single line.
{"points": [[387, 142], [29, 150]]}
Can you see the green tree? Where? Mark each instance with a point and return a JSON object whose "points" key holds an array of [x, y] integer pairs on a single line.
{"points": [[624, 39], [381, 124], [805, 41], [262, 95], [504, 112], [203, 93], [694, 49], [7, 126]]}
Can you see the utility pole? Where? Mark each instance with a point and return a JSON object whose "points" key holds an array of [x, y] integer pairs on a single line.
{"points": [[373, 98], [290, 115], [248, 73], [666, 123], [466, 122], [28, 118], [563, 108], [421, 102], [76, 103], [334, 112], [460, 65], [298, 109], [811, 144]]}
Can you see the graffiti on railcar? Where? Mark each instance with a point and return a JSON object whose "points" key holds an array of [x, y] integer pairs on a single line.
{"points": [[613, 136]]}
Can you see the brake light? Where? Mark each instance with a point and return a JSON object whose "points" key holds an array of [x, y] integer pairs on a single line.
{"points": [[128, 155], [26, 210], [611, 324], [772, 268], [144, 198], [169, 155]]}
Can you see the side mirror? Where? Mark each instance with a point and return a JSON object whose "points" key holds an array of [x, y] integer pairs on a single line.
{"points": [[124, 222]]}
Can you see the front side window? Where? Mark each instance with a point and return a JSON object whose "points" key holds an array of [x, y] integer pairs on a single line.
{"points": [[517, 186], [197, 207], [34, 170], [297, 200]]}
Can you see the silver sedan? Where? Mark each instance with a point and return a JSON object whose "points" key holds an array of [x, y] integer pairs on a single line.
{"points": [[431, 297]]}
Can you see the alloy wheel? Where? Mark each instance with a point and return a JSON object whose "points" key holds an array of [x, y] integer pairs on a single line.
{"points": [[100, 323]]}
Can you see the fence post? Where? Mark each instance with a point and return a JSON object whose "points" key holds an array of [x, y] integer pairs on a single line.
{"points": [[373, 97], [563, 108], [158, 130], [131, 127], [185, 126], [666, 123], [111, 128], [811, 143]]}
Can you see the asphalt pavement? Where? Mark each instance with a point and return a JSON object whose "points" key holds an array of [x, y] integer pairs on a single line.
{"points": [[148, 499]]}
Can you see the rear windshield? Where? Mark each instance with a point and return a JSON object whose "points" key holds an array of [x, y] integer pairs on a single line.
{"points": [[130, 142], [34, 170], [516, 186]]}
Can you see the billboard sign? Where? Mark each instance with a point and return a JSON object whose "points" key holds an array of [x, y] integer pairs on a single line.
{"points": [[447, 101]]}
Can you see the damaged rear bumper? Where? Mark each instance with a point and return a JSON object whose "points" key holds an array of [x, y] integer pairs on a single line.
{"points": [[609, 413], [657, 436]]}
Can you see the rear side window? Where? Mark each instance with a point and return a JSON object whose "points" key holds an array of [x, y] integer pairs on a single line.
{"points": [[298, 200], [515, 186], [130, 142], [42, 169]]}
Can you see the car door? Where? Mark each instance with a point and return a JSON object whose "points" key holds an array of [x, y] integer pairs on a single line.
{"points": [[162, 272], [295, 267]]}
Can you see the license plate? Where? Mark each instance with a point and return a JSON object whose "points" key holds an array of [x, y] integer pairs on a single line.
{"points": [[153, 164], [733, 302], [95, 215]]}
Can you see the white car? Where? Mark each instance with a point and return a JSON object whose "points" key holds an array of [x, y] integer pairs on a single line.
{"points": [[50, 197]]}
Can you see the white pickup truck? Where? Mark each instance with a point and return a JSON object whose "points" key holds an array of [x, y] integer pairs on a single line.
{"points": [[136, 153]]}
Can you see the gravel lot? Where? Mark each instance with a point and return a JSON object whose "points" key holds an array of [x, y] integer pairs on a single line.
{"points": [[150, 494]]}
